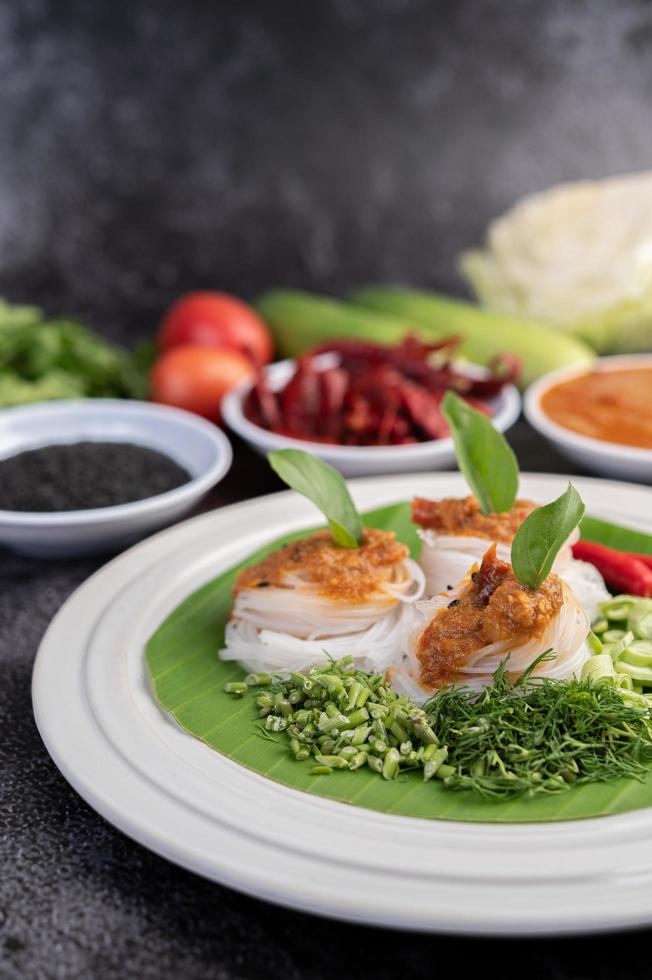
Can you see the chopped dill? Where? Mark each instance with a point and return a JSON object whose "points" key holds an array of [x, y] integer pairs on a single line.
{"points": [[263, 733], [535, 736]]}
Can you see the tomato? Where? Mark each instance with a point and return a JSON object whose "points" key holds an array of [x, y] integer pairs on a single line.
{"points": [[216, 320], [196, 378]]}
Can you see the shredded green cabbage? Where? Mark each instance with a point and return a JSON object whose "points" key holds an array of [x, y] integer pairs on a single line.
{"points": [[577, 257]]}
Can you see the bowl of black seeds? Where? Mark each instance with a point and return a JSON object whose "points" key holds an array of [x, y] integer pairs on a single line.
{"points": [[93, 475]]}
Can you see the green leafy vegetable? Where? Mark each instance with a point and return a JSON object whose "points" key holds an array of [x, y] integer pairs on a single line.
{"points": [[483, 454], [325, 487], [14, 390], [540, 737], [47, 359], [542, 534]]}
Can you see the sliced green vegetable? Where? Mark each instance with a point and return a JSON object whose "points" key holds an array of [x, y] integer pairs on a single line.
{"points": [[594, 642], [599, 667], [483, 455], [325, 487], [626, 635], [616, 645], [639, 619], [314, 710], [638, 653], [541, 535], [635, 671], [632, 612], [617, 608], [484, 334]]}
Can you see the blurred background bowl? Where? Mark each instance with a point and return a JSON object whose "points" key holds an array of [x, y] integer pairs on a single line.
{"points": [[607, 458], [198, 446], [352, 461]]}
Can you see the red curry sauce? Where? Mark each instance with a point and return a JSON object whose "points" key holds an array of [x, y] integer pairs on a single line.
{"points": [[611, 405], [494, 606], [348, 574], [463, 516]]}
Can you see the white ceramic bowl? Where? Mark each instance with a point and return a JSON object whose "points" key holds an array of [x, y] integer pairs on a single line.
{"points": [[357, 460], [190, 441], [607, 458]]}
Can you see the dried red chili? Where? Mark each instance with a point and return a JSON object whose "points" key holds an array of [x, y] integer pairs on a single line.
{"points": [[373, 394]]}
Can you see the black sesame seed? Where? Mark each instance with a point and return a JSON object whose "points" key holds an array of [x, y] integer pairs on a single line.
{"points": [[455, 602], [85, 475], [262, 585]]}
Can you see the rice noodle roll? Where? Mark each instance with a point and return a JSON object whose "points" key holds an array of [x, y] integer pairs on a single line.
{"points": [[313, 598], [455, 534], [465, 633]]}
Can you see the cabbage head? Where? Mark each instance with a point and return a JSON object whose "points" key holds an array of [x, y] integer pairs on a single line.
{"points": [[577, 257]]}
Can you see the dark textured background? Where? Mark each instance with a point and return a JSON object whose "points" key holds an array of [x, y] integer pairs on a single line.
{"points": [[148, 148]]}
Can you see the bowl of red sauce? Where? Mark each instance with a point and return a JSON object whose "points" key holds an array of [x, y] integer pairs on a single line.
{"points": [[601, 418], [366, 408]]}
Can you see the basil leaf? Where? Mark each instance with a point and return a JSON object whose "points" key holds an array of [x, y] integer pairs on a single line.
{"points": [[483, 455], [542, 534], [319, 482]]}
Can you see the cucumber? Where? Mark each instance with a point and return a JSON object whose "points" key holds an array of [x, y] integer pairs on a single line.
{"points": [[299, 320], [541, 349]]}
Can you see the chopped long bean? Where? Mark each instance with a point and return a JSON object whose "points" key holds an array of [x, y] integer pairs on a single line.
{"points": [[343, 718]]}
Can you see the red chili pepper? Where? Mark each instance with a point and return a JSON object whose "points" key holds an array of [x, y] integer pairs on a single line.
{"points": [[620, 569], [410, 348], [504, 368], [388, 423], [334, 385], [300, 400], [262, 405], [423, 408], [646, 559]]}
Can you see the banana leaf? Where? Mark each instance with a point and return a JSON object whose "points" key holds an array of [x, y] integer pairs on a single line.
{"points": [[188, 680], [614, 536]]}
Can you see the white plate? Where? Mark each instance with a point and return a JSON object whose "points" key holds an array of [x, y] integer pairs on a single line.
{"points": [[436, 454], [197, 808]]}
